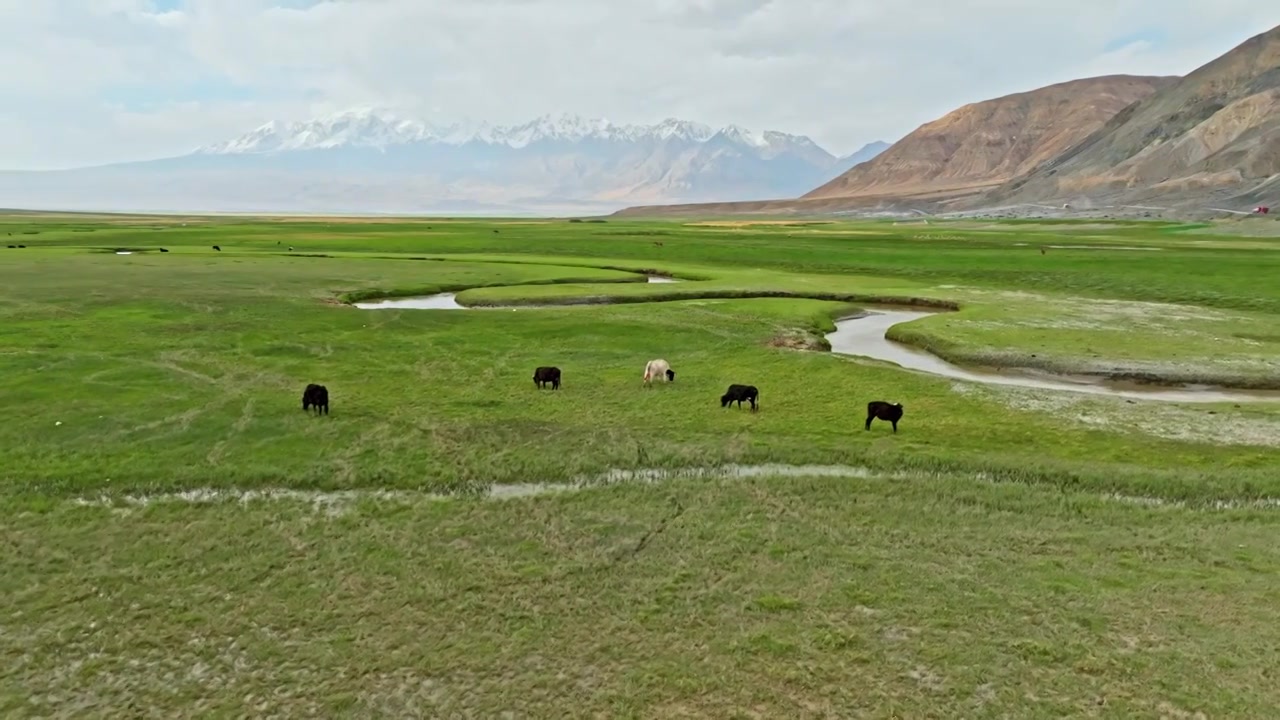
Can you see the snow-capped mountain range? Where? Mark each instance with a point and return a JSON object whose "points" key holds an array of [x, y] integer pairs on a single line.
{"points": [[382, 129], [373, 160]]}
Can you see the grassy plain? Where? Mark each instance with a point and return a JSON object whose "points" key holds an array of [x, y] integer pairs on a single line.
{"points": [[1008, 552]]}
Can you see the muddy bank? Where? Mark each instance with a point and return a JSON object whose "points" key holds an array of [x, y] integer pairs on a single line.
{"points": [[446, 301], [864, 335], [851, 298]]}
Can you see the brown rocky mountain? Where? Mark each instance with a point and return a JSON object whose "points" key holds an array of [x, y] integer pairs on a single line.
{"points": [[1213, 134], [970, 150], [984, 144]]}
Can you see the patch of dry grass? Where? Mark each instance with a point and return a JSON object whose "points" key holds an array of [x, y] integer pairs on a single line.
{"points": [[1123, 339], [1253, 426]]}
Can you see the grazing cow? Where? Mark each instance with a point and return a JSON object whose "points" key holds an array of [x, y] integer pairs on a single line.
{"points": [[738, 393], [22, 246], [163, 250], [547, 375], [316, 396], [656, 369], [215, 247], [879, 409]]}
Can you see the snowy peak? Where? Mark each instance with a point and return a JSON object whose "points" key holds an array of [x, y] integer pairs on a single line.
{"points": [[671, 128], [365, 127], [381, 129], [737, 134]]}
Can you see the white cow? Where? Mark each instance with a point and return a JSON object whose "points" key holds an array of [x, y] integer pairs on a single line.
{"points": [[658, 369]]}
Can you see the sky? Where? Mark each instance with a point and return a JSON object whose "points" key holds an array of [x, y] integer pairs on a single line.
{"points": [[96, 81]]}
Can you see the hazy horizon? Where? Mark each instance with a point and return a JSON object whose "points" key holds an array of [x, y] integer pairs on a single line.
{"points": [[129, 80]]}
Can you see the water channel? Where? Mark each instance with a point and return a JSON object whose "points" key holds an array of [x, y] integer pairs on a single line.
{"points": [[864, 336]]}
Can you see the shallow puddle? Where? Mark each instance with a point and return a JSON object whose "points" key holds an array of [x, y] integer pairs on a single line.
{"points": [[863, 336]]}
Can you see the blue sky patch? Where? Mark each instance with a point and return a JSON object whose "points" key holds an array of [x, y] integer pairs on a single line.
{"points": [[1153, 36], [209, 89]]}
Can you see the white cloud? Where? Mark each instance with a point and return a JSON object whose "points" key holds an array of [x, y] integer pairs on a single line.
{"points": [[106, 80]]}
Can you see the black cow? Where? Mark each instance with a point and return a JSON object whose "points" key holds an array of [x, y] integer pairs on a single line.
{"points": [[215, 247], [738, 393], [879, 409], [545, 375], [316, 396], [163, 250]]}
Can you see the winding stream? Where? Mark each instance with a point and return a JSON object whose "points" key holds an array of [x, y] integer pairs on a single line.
{"points": [[445, 301], [864, 336]]}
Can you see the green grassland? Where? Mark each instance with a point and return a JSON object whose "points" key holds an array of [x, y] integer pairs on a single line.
{"points": [[769, 598], [1009, 552]]}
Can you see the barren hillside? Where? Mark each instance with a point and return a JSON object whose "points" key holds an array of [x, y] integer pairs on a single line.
{"points": [[987, 143], [1215, 132]]}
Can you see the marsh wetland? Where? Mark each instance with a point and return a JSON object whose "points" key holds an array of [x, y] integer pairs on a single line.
{"points": [[1076, 516]]}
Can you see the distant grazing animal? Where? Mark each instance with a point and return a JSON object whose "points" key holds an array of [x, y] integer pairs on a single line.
{"points": [[1042, 251], [215, 247], [658, 243], [495, 230], [316, 396], [879, 409], [22, 246], [163, 250], [547, 375], [738, 393], [656, 369]]}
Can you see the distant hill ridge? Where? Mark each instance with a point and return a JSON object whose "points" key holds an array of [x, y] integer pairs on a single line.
{"points": [[1211, 136], [983, 144]]}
